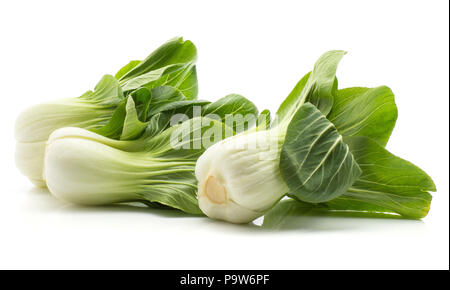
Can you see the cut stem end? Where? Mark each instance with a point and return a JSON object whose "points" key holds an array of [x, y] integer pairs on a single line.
{"points": [[215, 191]]}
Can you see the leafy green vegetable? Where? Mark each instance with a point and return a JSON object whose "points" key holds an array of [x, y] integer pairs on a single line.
{"points": [[382, 186], [174, 51], [288, 214], [388, 185], [85, 168], [369, 112], [171, 66], [126, 123], [149, 79], [129, 66], [315, 162], [132, 126], [302, 153], [317, 87], [234, 110], [322, 84], [387, 181], [141, 132], [365, 117], [290, 105], [154, 160], [185, 80], [319, 152]]}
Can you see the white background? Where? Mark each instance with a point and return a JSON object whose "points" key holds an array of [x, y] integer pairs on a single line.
{"points": [[57, 49]]}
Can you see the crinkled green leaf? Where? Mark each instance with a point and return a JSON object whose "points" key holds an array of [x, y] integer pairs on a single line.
{"points": [[387, 182], [388, 187], [174, 51], [234, 110], [129, 66], [178, 106], [163, 96], [142, 98], [322, 84], [315, 162], [157, 124], [185, 80], [172, 64], [150, 78], [132, 126], [294, 214], [290, 104], [317, 87], [161, 121], [113, 128], [369, 112], [131, 116], [106, 92], [231, 104]]}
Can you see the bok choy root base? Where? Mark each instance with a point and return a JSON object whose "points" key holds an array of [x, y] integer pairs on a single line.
{"points": [[143, 136]]}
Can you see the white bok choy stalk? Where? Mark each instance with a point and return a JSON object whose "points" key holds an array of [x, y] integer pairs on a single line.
{"points": [[86, 168], [242, 177], [34, 125], [238, 178], [172, 65]]}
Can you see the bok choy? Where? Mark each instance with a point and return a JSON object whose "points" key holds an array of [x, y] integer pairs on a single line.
{"points": [[143, 136], [166, 75], [325, 148]]}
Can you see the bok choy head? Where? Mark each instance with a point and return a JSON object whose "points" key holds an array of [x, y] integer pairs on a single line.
{"points": [[240, 178], [309, 153], [85, 168], [169, 72]]}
